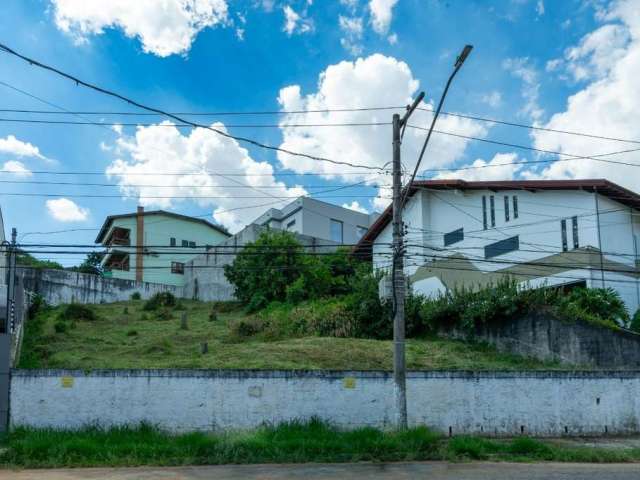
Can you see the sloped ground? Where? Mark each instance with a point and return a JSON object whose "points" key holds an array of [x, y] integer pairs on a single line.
{"points": [[124, 336]]}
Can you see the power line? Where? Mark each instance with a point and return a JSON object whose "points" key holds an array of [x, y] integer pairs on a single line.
{"points": [[334, 110], [180, 197], [130, 101]]}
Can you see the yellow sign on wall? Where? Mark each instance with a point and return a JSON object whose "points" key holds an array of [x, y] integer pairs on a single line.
{"points": [[349, 382], [66, 382]]}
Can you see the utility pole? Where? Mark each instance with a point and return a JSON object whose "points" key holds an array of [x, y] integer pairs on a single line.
{"points": [[397, 270], [11, 281]]}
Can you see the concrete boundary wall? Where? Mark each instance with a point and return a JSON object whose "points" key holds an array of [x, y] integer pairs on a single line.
{"points": [[64, 286], [492, 403]]}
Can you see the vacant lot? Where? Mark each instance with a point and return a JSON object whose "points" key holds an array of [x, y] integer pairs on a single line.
{"points": [[123, 335]]}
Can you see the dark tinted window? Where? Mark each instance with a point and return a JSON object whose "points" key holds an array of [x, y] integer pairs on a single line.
{"points": [[503, 246], [453, 237]]}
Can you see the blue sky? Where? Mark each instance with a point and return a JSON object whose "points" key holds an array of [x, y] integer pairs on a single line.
{"points": [[568, 65]]}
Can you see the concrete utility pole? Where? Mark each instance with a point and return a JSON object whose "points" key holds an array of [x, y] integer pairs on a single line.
{"points": [[397, 270], [11, 281]]}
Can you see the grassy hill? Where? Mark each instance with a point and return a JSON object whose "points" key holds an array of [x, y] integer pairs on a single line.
{"points": [[123, 335]]}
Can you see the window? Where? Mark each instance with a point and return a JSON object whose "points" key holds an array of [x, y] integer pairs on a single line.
{"points": [[291, 224], [336, 230], [515, 206], [506, 208], [503, 246], [185, 243], [177, 267], [172, 242], [563, 228], [574, 228], [493, 210], [484, 212], [454, 237], [361, 231], [192, 244]]}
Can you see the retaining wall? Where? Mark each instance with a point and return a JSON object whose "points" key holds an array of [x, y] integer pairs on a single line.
{"points": [[542, 336], [63, 286], [492, 403]]}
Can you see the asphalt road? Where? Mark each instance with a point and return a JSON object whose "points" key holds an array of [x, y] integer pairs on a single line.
{"points": [[360, 471]]}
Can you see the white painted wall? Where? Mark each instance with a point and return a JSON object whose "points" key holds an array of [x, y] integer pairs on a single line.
{"points": [[494, 403], [429, 214]]}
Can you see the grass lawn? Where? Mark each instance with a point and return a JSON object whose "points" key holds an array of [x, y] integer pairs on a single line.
{"points": [[312, 441], [125, 336]]}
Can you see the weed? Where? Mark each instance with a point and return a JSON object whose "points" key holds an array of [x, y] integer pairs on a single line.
{"points": [[161, 299], [77, 312], [132, 333], [136, 296]]}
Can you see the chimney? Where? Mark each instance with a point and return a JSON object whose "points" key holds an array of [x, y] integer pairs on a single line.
{"points": [[139, 243]]}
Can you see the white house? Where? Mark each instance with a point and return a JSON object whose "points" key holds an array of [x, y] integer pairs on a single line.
{"points": [[553, 232], [322, 220]]}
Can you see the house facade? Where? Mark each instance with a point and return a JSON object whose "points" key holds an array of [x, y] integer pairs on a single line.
{"points": [[322, 220], [153, 246], [556, 232]]}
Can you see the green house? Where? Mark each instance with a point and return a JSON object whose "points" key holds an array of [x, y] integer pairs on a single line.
{"points": [[153, 246]]}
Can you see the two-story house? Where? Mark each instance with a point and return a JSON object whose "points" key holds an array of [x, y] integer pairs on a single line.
{"points": [[153, 246], [540, 232], [322, 220]]}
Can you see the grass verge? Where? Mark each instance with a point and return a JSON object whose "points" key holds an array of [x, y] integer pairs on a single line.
{"points": [[295, 442]]}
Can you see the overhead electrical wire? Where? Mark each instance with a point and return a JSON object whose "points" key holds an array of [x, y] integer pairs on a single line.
{"points": [[178, 118]]}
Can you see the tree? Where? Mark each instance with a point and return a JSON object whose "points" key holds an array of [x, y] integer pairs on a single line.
{"points": [[91, 264], [264, 269]]}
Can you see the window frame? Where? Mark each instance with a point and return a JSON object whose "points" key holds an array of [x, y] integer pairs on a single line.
{"points": [[332, 222], [515, 206], [172, 242], [563, 235], [506, 208], [485, 224], [492, 206], [177, 268], [574, 231]]}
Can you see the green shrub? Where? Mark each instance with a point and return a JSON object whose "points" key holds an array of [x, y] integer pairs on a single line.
{"points": [[158, 300], [277, 268], [246, 327], [213, 315], [635, 322], [164, 314], [604, 304], [77, 312], [136, 296], [132, 333], [38, 304], [60, 327]]}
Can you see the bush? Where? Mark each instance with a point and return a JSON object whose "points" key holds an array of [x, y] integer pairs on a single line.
{"points": [[60, 327], [132, 333], [136, 296], [164, 314], [161, 299], [246, 327], [635, 322], [38, 304], [77, 312], [604, 304], [213, 315], [276, 268]]}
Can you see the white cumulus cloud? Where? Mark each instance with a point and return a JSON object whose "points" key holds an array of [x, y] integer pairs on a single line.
{"points": [[355, 205], [17, 168], [164, 27], [66, 210], [608, 105], [523, 69], [197, 163], [381, 14], [362, 83], [11, 145], [503, 166]]}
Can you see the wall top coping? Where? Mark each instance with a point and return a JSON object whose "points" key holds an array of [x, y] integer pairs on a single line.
{"points": [[327, 374]]}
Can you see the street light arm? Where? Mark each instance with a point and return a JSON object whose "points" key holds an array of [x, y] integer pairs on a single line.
{"points": [[459, 61]]}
